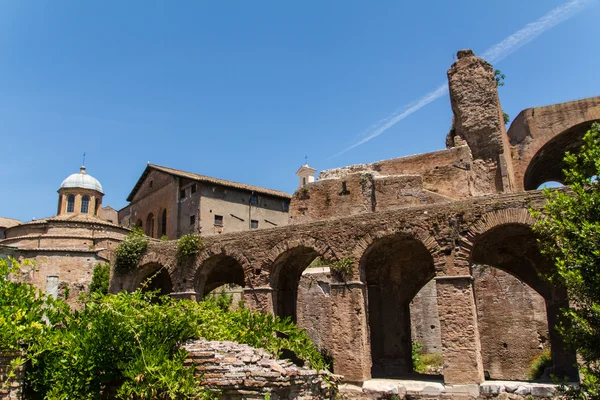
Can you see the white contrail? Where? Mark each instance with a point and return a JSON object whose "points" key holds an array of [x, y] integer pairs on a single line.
{"points": [[494, 54]]}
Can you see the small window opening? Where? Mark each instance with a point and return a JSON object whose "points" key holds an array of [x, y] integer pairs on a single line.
{"points": [[285, 206], [303, 181], [182, 194], [253, 224], [85, 204], [218, 220], [194, 188], [151, 183], [71, 203], [254, 199], [192, 219]]}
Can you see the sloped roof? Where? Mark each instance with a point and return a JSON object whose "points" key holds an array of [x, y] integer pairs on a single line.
{"points": [[73, 218], [8, 222], [206, 179]]}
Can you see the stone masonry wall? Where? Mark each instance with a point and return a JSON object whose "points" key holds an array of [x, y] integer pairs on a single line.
{"points": [[239, 371]]}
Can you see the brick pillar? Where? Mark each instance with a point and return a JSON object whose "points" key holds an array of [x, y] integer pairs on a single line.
{"points": [[478, 120], [259, 299], [458, 324], [349, 329]]}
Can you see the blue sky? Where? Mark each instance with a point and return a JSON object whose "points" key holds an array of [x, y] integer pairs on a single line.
{"points": [[244, 90]]}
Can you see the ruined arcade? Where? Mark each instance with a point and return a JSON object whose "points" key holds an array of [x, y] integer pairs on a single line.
{"points": [[416, 229]]}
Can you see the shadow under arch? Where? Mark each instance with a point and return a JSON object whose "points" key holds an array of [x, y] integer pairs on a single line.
{"points": [[154, 277], [513, 248], [218, 270], [286, 272], [547, 164], [395, 268]]}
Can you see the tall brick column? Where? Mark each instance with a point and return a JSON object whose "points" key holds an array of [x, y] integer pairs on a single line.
{"points": [[349, 329], [458, 325], [479, 121]]}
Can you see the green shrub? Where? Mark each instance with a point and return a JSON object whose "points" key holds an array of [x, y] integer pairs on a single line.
{"points": [[343, 267], [188, 246], [130, 250], [100, 278], [125, 345], [539, 363]]}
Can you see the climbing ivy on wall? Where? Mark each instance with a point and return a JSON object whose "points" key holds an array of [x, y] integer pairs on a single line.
{"points": [[130, 250]]}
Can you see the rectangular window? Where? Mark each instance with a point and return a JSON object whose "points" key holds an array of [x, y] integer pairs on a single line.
{"points": [[192, 219], [254, 199], [253, 224], [182, 194], [193, 188], [151, 184], [218, 220], [286, 206]]}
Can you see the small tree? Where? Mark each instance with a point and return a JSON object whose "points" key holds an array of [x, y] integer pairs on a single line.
{"points": [[130, 250], [100, 279], [569, 227]]}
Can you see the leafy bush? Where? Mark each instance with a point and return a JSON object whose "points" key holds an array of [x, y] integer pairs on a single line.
{"points": [[125, 345], [343, 267], [188, 246], [100, 279], [538, 365], [130, 250]]}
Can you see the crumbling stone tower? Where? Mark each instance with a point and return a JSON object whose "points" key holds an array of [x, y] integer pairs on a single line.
{"points": [[479, 122]]}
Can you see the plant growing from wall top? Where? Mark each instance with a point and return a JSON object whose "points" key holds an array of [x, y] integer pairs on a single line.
{"points": [[188, 246], [130, 250], [343, 267]]}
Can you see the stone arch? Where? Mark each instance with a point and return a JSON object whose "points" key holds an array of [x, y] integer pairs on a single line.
{"points": [[216, 267], [286, 262], [547, 164], [395, 265], [417, 233], [504, 240]]}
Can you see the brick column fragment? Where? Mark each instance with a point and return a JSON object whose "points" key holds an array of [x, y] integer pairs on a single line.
{"points": [[259, 299], [349, 330], [458, 325]]}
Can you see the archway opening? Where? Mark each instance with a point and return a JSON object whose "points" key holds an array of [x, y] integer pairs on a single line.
{"points": [[156, 278], [547, 164], [287, 271], [150, 225], [217, 271], [517, 309], [395, 268]]}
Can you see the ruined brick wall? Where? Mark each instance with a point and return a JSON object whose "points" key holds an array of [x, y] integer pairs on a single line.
{"points": [[478, 121], [314, 307], [239, 371], [543, 134], [14, 389], [512, 321]]}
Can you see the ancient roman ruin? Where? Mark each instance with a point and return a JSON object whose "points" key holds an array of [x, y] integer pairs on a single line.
{"points": [[439, 245]]}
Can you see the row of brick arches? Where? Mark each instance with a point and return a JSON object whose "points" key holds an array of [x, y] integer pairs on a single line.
{"points": [[365, 322]]}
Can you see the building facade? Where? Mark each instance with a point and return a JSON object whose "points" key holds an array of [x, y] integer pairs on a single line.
{"points": [[66, 247], [170, 203]]}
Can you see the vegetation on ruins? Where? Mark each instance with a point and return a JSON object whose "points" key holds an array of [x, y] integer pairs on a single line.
{"points": [[188, 246], [100, 278], [130, 250], [499, 76], [569, 229], [539, 364], [343, 267], [125, 345]]}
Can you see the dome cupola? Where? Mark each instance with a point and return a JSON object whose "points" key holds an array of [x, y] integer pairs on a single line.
{"points": [[80, 194], [82, 180]]}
